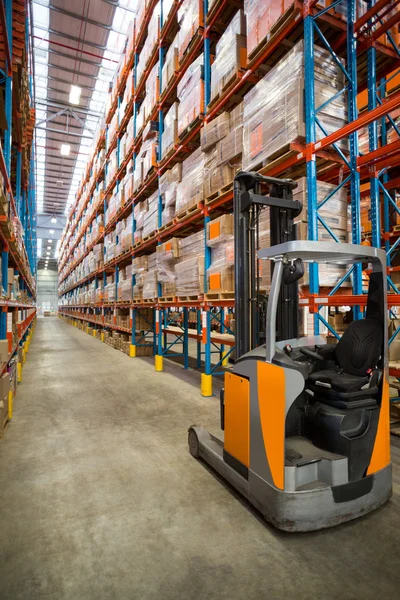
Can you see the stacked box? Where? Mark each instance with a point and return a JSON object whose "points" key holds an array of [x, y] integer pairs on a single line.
{"points": [[273, 111], [126, 235], [168, 184], [167, 255], [261, 16], [110, 246], [171, 64], [125, 283], [190, 91], [138, 174], [189, 269], [222, 142], [230, 55], [150, 222], [148, 154], [190, 191], [150, 286], [140, 265], [190, 18], [140, 211], [333, 212], [99, 294], [170, 135], [219, 237], [150, 42]]}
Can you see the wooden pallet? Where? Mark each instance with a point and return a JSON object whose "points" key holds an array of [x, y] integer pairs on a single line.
{"points": [[182, 215], [193, 298], [395, 427], [219, 296], [226, 188], [165, 227], [167, 299], [149, 237], [195, 39], [187, 131], [149, 300]]}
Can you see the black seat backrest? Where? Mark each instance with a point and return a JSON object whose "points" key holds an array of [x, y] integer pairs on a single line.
{"points": [[360, 347]]}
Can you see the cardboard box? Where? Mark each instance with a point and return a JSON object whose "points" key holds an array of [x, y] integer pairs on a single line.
{"points": [[3, 351], [4, 385]]}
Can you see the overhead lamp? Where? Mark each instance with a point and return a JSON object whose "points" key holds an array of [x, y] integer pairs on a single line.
{"points": [[53, 220], [49, 241], [75, 94], [65, 149], [51, 231]]}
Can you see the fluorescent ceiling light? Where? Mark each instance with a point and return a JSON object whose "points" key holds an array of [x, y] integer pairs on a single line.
{"points": [[49, 241], [65, 149], [51, 231], [48, 247], [75, 94], [53, 220]]}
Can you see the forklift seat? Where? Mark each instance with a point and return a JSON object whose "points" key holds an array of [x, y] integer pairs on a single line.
{"points": [[354, 376]]}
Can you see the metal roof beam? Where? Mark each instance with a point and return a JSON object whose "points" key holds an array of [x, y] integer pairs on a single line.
{"points": [[73, 38], [86, 61], [72, 71], [58, 104], [68, 13], [58, 80]]}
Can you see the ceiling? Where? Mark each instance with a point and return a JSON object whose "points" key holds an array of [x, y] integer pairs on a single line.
{"points": [[76, 42]]}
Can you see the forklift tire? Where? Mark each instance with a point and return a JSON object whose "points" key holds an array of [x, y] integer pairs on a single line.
{"points": [[193, 441]]}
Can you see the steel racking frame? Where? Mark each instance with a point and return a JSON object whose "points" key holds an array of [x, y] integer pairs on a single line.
{"points": [[353, 42], [19, 187]]}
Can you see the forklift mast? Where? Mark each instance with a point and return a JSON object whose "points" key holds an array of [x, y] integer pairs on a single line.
{"points": [[250, 196]]}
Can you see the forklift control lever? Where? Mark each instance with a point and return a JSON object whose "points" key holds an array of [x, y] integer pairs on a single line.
{"points": [[311, 354]]}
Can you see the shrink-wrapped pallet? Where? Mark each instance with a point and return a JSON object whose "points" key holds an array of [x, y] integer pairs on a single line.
{"points": [[261, 16], [140, 210], [273, 111], [150, 222], [170, 134], [190, 92], [168, 184], [152, 91], [190, 190], [219, 237], [230, 55], [171, 64], [190, 18], [167, 255], [333, 212], [190, 267], [150, 43]]}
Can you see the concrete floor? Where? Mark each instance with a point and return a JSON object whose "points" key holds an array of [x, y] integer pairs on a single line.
{"points": [[100, 499]]}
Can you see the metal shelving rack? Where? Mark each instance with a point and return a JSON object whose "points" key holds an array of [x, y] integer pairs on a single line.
{"points": [[17, 170], [368, 64]]}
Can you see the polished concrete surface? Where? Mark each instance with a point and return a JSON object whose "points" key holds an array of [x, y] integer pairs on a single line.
{"points": [[100, 499]]}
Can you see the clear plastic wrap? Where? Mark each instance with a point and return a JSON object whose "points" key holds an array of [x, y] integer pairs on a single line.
{"points": [[150, 222], [148, 154], [126, 235], [214, 131], [171, 64], [168, 184], [189, 269], [231, 55], [140, 210], [152, 91], [190, 190], [125, 290], [150, 43], [190, 92], [190, 18], [261, 16], [167, 255], [170, 134], [138, 174], [273, 112], [219, 237]]}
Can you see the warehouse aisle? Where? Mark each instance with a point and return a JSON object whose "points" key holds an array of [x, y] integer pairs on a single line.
{"points": [[100, 499]]}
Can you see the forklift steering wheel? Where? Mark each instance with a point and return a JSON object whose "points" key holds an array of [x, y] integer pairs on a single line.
{"points": [[311, 354]]}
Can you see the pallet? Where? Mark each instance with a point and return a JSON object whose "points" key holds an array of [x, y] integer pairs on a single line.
{"points": [[182, 215], [396, 228], [167, 299], [165, 158], [226, 188], [219, 296], [149, 300], [187, 131], [165, 227], [228, 86], [149, 237], [193, 298], [395, 427], [195, 39]]}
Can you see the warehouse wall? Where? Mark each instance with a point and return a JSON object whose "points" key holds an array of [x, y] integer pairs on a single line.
{"points": [[47, 296]]}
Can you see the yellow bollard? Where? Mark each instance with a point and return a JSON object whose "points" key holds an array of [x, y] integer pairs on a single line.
{"points": [[224, 361], [206, 385], [94, 333], [132, 351], [19, 372], [10, 405], [23, 353], [102, 337], [159, 363]]}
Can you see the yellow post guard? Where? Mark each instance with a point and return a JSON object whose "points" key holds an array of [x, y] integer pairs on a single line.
{"points": [[132, 351], [206, 385], [159, 363]]}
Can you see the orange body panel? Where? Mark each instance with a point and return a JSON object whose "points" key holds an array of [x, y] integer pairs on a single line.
{"points": [[381, 452], [271, 402], [237, 418]]}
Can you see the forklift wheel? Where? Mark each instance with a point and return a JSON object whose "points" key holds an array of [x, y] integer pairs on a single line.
{"points": [[193, 441]]}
